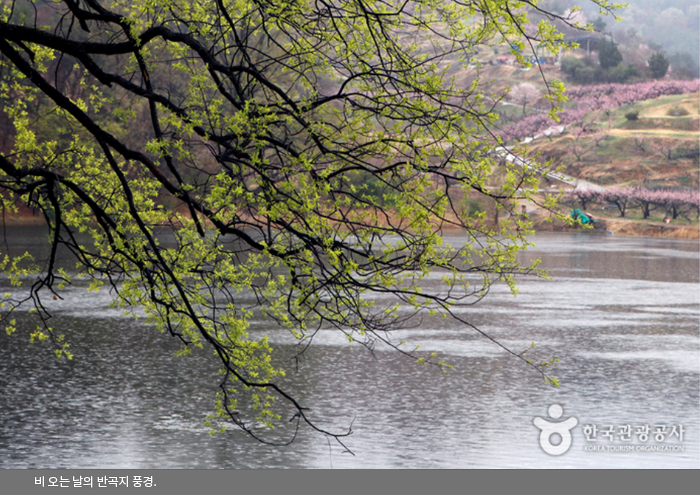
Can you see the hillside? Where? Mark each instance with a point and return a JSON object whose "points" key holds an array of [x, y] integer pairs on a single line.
{"points": [[659, 147], [656, 151], [642, 136]]}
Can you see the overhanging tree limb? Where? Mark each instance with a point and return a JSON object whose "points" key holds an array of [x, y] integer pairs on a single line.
{"points": [[304, 155]]}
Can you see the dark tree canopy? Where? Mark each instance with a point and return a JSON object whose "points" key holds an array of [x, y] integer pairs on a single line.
{"points": [[301, 155], [658, 65], [608, 55], [599, 25]]}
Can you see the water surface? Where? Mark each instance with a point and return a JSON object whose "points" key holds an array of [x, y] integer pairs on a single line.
{"points": [[621, 315]]}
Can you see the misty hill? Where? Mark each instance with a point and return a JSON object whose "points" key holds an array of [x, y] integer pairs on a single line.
{"points": [[668, 25]]}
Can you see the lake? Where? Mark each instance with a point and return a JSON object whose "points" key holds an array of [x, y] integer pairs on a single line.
{"points": [[622, 315]]}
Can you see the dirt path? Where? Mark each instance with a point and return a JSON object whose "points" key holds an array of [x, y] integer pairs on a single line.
{"points": [[654, 132]]}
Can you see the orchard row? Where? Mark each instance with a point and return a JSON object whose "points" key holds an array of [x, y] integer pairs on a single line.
{"points": [[675, 202]]}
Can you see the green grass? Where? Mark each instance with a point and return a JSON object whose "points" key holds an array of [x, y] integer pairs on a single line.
{"points": [[645, 106], [685, 124]]}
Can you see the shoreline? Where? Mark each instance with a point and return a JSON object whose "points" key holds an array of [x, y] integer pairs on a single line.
{"points": [[618, 226], [626, 227]]}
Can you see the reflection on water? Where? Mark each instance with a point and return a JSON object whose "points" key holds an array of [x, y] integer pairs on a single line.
{"points": [[621, 314]]}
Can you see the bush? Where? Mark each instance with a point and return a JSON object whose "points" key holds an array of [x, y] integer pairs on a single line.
{"points": [[633, 115], [370, 189], [587, 75], [677, 111], [569, 65], [587, 71], [474, 207], [581, 70], [624, 73]]}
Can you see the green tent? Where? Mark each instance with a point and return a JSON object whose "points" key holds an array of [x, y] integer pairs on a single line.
{"points": [[581, 217]]}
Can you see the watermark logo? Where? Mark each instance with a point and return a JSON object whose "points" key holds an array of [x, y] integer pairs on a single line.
{"points": [[628, 433], [556, 435], [560, 428]]}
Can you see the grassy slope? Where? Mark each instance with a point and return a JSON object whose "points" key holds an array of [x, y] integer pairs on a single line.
{"points": [[655, 149], [658, 149]]}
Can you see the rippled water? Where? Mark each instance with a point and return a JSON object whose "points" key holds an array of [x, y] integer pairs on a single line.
{"points": [[621, 314]]}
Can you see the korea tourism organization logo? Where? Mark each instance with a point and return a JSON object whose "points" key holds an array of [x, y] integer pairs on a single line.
{"points": [[556, 435], [550, 428]]}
